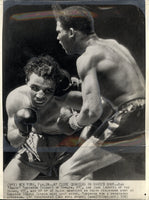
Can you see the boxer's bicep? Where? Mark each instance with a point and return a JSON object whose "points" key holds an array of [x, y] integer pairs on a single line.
{"points": [[13, 104], [13, 134], [11, 125]]}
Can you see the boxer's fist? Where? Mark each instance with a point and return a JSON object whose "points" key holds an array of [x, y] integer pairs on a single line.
{"points": [[24, 119], [63, 121]]}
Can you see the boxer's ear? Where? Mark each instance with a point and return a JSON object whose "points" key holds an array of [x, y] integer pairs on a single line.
{"points": [[72, 32], [27, 78]]}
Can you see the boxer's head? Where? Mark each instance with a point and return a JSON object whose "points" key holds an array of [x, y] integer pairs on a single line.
{"points": [[43, 75], [43, 66], [72, 22], [76, 17]]}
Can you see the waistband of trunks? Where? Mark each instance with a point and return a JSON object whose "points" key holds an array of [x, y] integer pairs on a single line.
{"points": [[133, 104], [34, 131]]}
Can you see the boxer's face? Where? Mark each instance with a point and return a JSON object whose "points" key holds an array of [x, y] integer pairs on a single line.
{"points": [[63, 36], [42, 90]]}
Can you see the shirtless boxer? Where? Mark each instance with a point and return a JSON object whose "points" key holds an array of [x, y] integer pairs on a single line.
{"points": [[33, 110], [106, 68], [37, 115]]}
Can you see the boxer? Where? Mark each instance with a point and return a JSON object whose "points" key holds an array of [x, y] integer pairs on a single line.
{"points": [[106, 68], [35, 115]]}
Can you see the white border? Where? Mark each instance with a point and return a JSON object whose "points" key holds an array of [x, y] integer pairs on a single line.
{"points": [[147, 100], [1, 118]]}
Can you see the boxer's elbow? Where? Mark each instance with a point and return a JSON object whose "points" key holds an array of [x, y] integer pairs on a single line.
{"points": [[14, 144], [15, 139], [12, 141]]}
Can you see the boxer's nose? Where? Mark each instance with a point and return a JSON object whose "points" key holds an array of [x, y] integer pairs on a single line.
{"points": [[40, 94]]}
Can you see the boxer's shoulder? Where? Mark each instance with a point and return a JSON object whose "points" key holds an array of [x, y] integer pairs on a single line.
{"points": [[92, 54], [17, 99], [89, 60], [22, 90]]}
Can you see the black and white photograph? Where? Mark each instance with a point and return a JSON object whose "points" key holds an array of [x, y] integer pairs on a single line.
{"points": [[74, 95]]}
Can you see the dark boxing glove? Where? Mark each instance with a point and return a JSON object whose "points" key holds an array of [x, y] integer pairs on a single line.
{"points": [[24, 119], [63, 121], [64, 83], [67, 84], [63, 87]]}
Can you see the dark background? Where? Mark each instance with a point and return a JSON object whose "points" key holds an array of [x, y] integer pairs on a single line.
{"points": [[27, 38]]}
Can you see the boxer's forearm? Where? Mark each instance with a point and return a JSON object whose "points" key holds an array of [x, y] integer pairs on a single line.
{"points": [[88, 116], [15, 138], [92, 103]]}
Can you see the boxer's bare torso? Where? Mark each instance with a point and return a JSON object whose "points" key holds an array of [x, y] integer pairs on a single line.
{"points": [[118, 75], [46, 115], [46, 123]]}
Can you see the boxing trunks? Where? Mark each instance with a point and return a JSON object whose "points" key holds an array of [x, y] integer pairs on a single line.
{"points": [[126, 123], [45, 152]]}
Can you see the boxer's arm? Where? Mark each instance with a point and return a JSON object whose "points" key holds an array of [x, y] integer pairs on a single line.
{"points": [[91, 109], [13, 134], [70, 96], [63, 120], [13, 104], [74, 100], [74, 97], [92, 106], [92, 103]]}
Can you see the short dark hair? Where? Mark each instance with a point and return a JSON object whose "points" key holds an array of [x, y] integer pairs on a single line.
{"points": [[44, 66], [76, 17]]}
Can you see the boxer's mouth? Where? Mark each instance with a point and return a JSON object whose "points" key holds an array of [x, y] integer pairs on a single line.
{"points": [[61, 45], [40, 101]]}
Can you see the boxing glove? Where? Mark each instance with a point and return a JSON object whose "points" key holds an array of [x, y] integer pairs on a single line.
{"points": [[24, 119], [63, 87], [67, 84], [63, 121]]}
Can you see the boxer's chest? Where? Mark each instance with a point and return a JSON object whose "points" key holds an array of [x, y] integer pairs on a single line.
{"points": [[46, 119]]}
